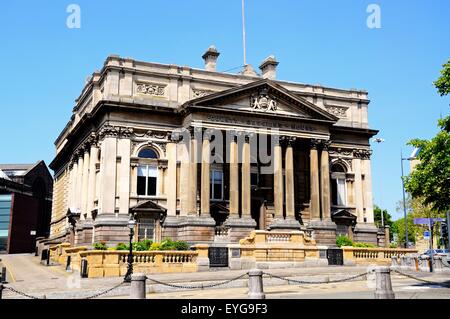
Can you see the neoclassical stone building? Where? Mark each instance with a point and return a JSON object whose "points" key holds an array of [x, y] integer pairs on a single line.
{"points": [[179, 149]]}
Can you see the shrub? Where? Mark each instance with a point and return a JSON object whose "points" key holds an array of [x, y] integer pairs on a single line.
{"points": [[155, 246], [343, 240], [167, 244], [100, 246], [147, 243], [181, 245], [363, 245], [393, 245], [122, 246]]}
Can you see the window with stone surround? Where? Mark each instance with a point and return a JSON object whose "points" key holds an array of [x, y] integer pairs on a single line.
{"points": [[338, 185], [147, 173]]}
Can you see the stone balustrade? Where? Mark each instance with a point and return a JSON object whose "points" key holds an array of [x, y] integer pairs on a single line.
{"points": [[380, 256], [111, 263]]}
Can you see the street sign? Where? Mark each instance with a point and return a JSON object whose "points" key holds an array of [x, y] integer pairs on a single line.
{"points": [[426, 221], [426, 235]]}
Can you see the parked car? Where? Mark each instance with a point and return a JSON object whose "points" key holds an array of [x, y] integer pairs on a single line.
{"points": [[439, 252]]}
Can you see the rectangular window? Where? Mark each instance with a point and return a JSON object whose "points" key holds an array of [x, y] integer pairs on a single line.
{"points": [[5, 211], [146, 229], [341, 192], [216, 185], [147, 180]]}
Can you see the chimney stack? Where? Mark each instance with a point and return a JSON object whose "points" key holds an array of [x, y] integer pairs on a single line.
{"points": [[269, 68], [210, 58]]}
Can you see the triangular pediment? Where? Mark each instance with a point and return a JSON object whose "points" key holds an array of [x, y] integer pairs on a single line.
{"points": [[262, 97]]}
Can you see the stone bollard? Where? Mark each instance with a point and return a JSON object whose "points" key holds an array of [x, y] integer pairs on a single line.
{"points": [[438, 263], [383, 283], [255, 284], [394, 261], [137, 288]]}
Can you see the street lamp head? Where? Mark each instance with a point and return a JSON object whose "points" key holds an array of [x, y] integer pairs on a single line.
{"points": [[131, 224]]}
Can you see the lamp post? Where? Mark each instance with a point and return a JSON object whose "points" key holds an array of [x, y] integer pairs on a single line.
{"points": [[131, 224], [412, 157], [379, 141]]}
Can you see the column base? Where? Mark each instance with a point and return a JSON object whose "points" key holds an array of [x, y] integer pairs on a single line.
{"points": [[323, 232], [287, 224], [192, 229], [239, 228], [365, 233]]}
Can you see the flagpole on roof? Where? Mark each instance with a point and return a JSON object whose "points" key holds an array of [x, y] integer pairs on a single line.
{"points": [[243, 32]]}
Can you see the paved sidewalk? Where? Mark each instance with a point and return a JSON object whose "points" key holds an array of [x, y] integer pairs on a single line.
{"points": [[28, 275]]}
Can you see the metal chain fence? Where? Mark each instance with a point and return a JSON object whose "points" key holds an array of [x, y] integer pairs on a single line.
{"points": [[419, 279], [315, 282], [202, 286], [105, 292], [20, 293]]}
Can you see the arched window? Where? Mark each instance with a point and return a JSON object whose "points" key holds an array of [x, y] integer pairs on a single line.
{"points": [[338, 185], [147, 177]]}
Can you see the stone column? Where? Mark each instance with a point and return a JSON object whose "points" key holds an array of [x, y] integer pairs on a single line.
{"points": [[246, 183], [73, 184], [239, 226], [171, 179], [289, 171], [278, 181], [84, 185], [234, 179], [92, 180], [193, 177], [79, 188], [314, 181], [279, 222], [205, 177], [325, 182]]}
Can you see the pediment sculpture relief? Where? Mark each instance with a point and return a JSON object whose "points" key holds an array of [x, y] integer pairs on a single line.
{"points": [[263, 102]]}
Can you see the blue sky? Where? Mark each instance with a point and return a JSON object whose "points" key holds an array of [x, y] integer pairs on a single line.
{"points": [[44, 63]]}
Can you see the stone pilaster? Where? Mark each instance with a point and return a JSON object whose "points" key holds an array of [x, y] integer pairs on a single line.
{"points": [[278, 181], [79, 189], [359, 201], [84, 185], [325, 182], [193, 177], [108, 166], [124, 151], [183, 152], [171, 179], [92, 180]]}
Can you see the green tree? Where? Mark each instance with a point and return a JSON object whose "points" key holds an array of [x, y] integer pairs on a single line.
{"points": [[430, 179], [443, 83], [377, 211]]}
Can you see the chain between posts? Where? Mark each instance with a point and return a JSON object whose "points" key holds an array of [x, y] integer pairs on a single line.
{"points": [[105, 292], [315, 282], [202, 286], [419, 279]]}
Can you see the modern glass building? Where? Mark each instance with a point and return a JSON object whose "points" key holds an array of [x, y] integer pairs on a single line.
{"points": [[5, 213]]}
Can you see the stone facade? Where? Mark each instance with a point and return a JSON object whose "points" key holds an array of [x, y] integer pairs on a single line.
{"points": [[143, 142]]}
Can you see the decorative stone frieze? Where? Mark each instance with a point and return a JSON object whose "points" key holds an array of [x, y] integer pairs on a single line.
{"points": [[151, 89], [115, 131], [201, 93], [362, 154], [339, 111]]}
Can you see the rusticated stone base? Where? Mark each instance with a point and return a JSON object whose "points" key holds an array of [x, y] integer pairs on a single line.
{"points": [[365, 233], [287, 224], [239, 228], [111, 229], [192, 229], [324, 232]]}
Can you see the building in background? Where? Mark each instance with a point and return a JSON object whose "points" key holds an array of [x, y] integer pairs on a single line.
{"points": [[121, 155], [25, 206]]}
